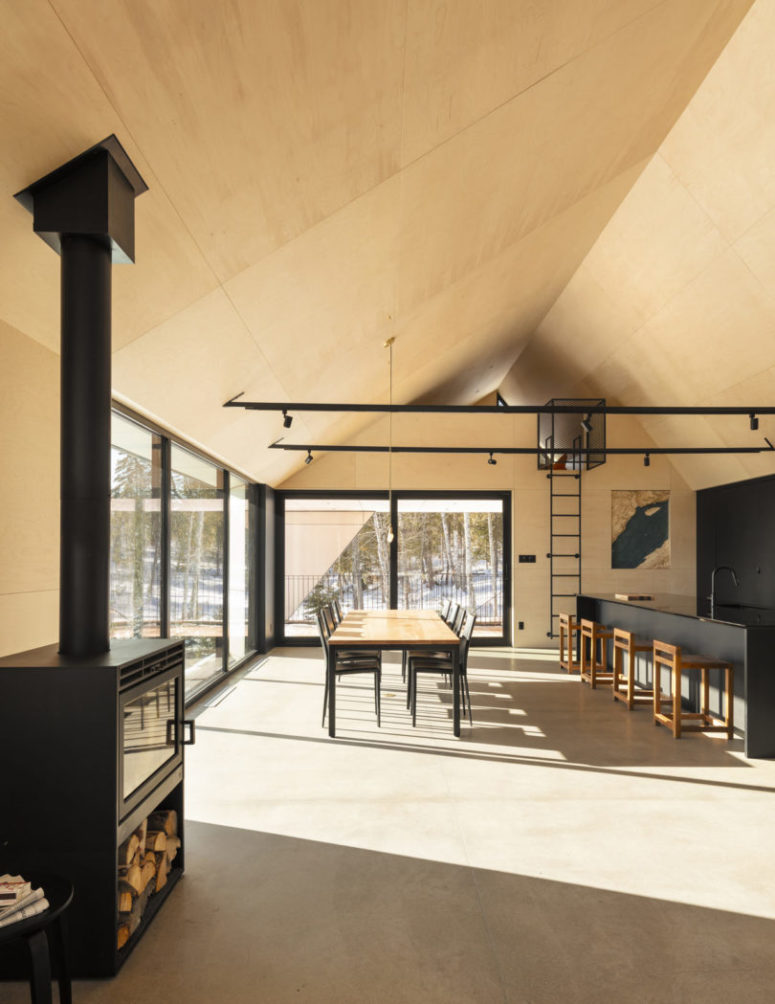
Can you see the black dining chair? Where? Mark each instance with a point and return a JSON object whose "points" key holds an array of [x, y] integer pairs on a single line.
{"points": [[420, 663], [332, 624], [454, 620], [336, 608], [458, 617], [348, 663]]}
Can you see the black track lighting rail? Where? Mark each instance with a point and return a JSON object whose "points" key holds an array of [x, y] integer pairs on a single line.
{"points": [[497, 409], [526, 450]]}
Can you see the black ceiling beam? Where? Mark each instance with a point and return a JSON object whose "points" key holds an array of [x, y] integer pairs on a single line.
{"points": [[497, 409], [528, 450]]}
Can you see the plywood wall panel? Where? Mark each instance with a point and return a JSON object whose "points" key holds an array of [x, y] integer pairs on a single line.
{"points": [[28, 620], [29, 492]]}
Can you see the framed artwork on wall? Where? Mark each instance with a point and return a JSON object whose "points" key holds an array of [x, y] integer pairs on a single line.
{"points": [[640, 529]]}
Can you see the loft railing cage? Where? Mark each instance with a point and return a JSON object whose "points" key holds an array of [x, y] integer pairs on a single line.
{"points": [[572, 440]]}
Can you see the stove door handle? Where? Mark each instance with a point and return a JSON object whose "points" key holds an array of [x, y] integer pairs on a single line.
{"points": [[172, 731], [191, 732]]}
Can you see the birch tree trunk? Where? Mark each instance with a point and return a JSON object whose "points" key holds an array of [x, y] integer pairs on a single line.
{"points": [[470, 594], [446, 548], [188, 588], [382, 555], [355, 553], [154, 577], [493, 565], [200, 523]]}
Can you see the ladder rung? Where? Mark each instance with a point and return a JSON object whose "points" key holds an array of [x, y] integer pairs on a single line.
{"points": [[558, 596], [564, 495], [559, 555], [566, 575], [576, 535]]}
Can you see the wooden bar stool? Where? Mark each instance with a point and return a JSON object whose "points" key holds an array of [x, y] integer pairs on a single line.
{"points": [[626, 645], [594, 661], [670, 657], [569, 629]]}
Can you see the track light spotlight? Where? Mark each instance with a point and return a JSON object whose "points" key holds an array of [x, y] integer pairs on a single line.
{"points": [[287, 420], [647, 460], [492, 459], [586, 425], [754, 422], [308, 458]]}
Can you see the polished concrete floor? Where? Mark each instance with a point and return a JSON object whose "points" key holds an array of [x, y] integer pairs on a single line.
{"points": [[563, 850]]}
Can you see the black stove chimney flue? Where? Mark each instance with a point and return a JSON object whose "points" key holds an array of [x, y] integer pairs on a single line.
{"points": [[85, 447], [85, 211]]}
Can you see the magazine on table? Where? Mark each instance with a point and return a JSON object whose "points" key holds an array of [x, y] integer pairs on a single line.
{"points": [[29, 904]]}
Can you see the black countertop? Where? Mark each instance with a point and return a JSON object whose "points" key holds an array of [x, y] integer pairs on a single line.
{"points": [[690, 606]]}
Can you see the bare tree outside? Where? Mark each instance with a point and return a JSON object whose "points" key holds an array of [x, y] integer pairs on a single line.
{"points": [[447, 549]]}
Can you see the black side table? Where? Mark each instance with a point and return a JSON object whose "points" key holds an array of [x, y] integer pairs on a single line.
{"points": [[43, 932]]}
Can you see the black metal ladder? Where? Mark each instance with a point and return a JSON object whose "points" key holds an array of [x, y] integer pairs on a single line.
{"points": [[564, 537]]}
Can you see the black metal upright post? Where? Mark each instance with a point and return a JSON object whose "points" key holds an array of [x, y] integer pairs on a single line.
{"points": [[393, 553], [85, 211]]}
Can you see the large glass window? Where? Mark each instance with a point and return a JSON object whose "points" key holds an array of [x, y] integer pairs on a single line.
{"points": [[239, 568], [446, 547], [169, 571], [135, 531], [196, 564], [334, 548], [452, 549]]}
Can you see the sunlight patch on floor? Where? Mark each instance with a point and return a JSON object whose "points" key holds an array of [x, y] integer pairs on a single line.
{"points": [[552, 782]]}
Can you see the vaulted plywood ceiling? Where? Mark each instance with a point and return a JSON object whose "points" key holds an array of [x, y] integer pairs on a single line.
{"points": [[324, 174], [675, 303]]}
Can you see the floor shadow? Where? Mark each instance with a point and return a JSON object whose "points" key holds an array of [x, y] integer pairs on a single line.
{"points": [[264, 917], [522, 707]]}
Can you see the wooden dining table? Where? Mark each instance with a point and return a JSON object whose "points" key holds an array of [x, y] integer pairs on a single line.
{"points": [[395, 630]]}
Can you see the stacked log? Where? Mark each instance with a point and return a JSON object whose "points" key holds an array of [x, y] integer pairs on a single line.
{"points": [[144, 863]]}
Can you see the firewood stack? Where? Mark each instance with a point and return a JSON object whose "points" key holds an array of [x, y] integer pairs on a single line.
{"points": [[144, 862]]}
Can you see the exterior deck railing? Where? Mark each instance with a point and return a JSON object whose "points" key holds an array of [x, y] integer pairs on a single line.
{"points": [[481, 591]]}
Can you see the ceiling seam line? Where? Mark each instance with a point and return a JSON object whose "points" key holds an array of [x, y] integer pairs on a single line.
{"points": [[637, 330], [163, 190], [404, 167], [535, 83], [703, 210]]}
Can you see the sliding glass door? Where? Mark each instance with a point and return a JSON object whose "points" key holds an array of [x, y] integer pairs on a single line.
{"points": [[446, 547]]}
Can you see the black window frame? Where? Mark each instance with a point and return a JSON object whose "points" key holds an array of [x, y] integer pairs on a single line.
{"points": [[494, 641], [169, 439]]}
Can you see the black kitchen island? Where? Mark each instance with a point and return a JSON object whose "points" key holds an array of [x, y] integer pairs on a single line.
{"points": [[744, 636]]}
